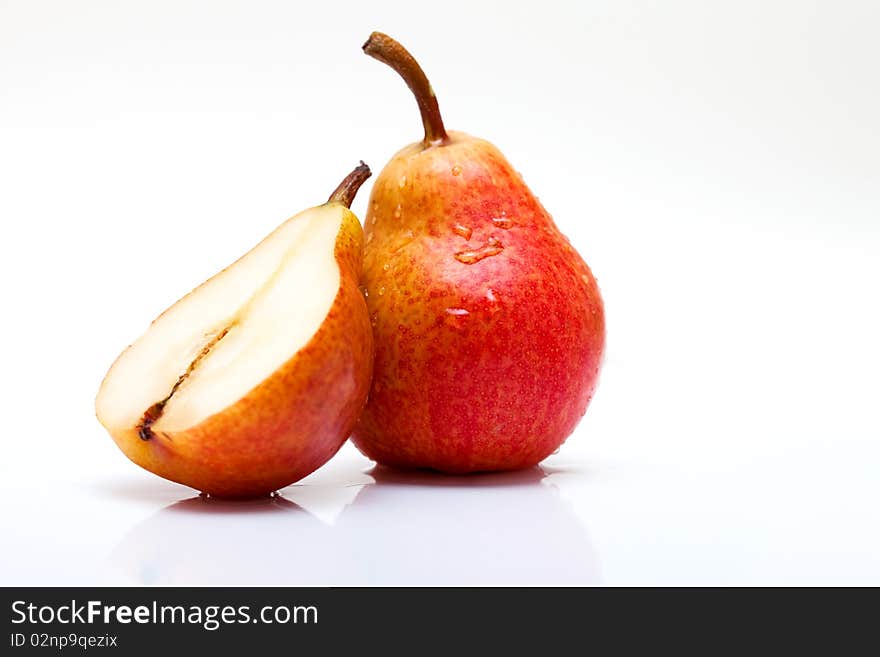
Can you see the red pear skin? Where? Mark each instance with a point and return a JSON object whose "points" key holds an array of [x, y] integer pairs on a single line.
{"points": [[488, 326]]}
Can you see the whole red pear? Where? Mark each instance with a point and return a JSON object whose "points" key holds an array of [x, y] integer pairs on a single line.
{"points": [[488, 326]]}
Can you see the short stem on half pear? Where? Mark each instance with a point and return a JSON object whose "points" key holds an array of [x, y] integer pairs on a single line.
{"points": [[387, 50], [349, 187]]}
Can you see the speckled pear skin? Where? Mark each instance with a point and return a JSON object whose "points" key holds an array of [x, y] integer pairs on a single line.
{"points": [[488, 326], [291, 423]]}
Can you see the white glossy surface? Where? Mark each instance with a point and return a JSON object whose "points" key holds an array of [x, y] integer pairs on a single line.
{"points": [[717, 167]]}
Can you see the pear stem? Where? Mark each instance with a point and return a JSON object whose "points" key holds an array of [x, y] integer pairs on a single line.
{"points": [[388, 51], [349, 187]]}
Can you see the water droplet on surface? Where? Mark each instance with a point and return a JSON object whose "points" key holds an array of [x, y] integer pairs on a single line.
{"points": [[381, 290], [402, 182], [386, 266], [492, 247], [373, 221], [464, 231], [456, 170], [585, 279], [492, 298], [369, 238], [405, 239], [397, 211], [456, 317], [502, 222]]}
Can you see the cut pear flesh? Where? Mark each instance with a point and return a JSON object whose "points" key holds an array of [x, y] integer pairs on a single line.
{"points": [[227, 336]]}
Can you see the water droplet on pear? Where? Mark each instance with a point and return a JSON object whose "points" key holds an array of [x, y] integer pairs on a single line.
{"points": [[455, 317], [463, 231], [492, 247]]}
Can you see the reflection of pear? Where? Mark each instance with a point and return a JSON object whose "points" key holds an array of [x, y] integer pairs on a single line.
{"points": [[406, 528], [209, 541], [493, 529]]}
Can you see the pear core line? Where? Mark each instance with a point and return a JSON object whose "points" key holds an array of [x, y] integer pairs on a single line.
{"points": [[154, 412]]}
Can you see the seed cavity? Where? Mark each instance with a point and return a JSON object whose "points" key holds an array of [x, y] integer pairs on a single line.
{"points": [[154, 412]]}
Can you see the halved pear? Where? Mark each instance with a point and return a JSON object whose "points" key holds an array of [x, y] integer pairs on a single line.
{"points": [[254, 379]]}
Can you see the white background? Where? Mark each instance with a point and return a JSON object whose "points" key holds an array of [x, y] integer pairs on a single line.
{"points": [[717, 164]]}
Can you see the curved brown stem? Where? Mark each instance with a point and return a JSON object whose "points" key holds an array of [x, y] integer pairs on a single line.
{"points": [[349, 187], [388, 51]]}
